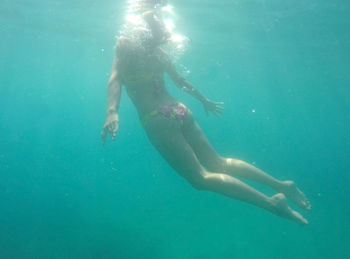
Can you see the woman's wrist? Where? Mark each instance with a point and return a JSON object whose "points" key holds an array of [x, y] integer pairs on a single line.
{"points": [[203, 99], [111, 111], [199, 96]]}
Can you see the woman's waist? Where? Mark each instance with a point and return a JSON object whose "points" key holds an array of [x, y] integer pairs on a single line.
{"points": [[156, 106], [146, 105]]}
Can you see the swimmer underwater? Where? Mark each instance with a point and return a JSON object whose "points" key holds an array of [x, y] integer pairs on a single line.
{"points": [[139, 65]]}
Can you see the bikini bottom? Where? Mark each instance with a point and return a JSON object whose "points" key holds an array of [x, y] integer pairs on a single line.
{"points": [[176, 111]]}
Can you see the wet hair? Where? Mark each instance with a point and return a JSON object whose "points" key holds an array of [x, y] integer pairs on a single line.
{"points": [[146, 5], [156, 3]]}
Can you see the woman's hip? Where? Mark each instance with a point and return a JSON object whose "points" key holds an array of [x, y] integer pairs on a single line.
{"points": [[175, 113]]}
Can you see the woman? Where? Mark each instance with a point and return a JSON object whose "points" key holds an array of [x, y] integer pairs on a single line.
{"points": [[140, 65]]}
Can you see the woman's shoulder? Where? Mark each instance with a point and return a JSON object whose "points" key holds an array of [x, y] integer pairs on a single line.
{"points": [[124, 43], [125, 49]]}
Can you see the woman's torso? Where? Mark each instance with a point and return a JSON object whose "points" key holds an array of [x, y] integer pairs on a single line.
{"points": [[142, 72]]}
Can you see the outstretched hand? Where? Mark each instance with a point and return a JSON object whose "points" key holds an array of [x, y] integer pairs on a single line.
{"points": [[111, 127], [215, 107]]}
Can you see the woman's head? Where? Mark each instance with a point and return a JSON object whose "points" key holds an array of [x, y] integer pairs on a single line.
{"points": [[158, 2], [146, 5], [161, 2], [155, 23]]}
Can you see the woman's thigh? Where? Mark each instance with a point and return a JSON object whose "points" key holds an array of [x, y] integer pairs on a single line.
{"points": [[166, 136], [201, 146]]}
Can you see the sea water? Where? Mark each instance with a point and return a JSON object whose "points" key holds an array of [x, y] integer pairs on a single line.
{"points": [[280, 67]]}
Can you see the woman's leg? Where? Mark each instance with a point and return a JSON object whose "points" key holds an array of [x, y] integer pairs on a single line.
{"points": [[238, 168], [166, 136]]}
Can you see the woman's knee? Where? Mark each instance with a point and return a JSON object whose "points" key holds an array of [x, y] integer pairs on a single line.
{"points": [[199, 182], [232, 162], [222, 164], [217, 164]]}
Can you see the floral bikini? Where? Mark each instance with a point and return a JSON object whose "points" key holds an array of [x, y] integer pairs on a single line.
{"points": [[176, 111]]}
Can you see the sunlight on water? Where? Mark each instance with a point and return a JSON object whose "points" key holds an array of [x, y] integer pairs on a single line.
{"points": [[136, 28]]}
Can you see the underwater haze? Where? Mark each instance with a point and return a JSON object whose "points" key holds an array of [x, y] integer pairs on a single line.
{"points": [[280, 67]]}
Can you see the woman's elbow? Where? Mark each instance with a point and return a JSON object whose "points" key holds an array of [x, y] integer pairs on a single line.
{"points": [[113, 79]]}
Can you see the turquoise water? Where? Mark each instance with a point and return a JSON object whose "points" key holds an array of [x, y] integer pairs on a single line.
{"points": [[282, 69]]}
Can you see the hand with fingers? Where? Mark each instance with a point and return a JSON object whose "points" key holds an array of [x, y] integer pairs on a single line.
{"points": [[111, 127], [215, 107]]}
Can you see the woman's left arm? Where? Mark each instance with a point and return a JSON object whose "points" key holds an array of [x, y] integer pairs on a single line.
{"points": [[209, 106], [114, 92]]}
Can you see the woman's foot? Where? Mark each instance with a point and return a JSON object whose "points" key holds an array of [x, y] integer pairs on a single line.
{"points": [[281, 208], [293, 193]]}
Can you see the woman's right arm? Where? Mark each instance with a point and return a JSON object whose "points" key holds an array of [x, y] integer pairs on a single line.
{"points": [[114, 93]]}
